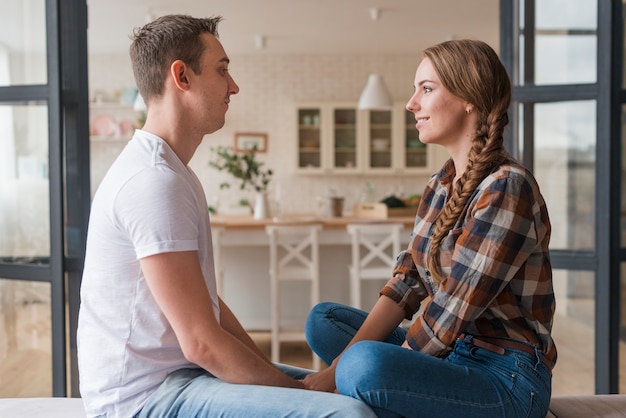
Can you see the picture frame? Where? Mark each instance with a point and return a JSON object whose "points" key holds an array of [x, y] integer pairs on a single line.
{"points": [[246, 141]]}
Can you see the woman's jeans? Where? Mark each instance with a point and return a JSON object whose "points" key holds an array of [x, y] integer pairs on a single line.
{"points": [[398, 382], [195, 393]]}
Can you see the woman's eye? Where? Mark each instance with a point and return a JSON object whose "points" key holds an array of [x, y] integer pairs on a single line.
{"points": [[427, 89]]}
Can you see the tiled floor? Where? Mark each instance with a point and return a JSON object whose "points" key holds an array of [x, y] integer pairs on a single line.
{"points": [[25, 359]]}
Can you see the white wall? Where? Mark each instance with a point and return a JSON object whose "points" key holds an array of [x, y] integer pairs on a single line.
{"points": [[271, 85]]}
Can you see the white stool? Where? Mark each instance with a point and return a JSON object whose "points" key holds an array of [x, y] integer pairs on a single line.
{"points": [[294, 256], [42, 407], [381, 243]]}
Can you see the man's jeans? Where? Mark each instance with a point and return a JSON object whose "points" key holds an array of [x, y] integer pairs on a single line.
{"points": [[398, 382], [195, 393]]}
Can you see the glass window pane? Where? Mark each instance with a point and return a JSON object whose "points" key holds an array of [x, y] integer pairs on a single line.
{"points": [[24, 190], [574, 333], [566, 14], [23, 42], [565, 43], [565, 167], [25, 339], [565, 59]]}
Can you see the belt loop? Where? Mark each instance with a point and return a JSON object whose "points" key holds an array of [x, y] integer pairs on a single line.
{"points": [[538, 355]]}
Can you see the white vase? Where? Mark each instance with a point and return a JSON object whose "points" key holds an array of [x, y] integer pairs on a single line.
{"points": [[261, 207]]}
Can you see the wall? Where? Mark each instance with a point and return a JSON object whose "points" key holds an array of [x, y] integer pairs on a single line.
{"points": [[271, 85]]}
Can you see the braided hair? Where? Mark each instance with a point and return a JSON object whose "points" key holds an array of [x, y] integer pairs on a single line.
{"points": [[471, 71]]}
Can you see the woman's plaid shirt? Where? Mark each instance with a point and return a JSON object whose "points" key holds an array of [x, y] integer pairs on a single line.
{"points": [[495, 260]]}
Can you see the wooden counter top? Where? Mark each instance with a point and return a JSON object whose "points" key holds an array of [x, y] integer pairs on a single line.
{"points": [[248, 222]]}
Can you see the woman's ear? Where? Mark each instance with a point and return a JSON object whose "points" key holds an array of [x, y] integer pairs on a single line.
{"points": [[469, 108], [178, 71]]}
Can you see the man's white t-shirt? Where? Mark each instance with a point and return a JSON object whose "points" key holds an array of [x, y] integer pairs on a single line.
{"points": [[148, 203]]}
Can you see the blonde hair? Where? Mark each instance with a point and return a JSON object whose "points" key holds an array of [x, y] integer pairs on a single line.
{"points": [[471, 71]]}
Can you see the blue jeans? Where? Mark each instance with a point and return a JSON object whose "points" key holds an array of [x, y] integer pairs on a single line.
{"points": [[397, 382], [195, 393]]}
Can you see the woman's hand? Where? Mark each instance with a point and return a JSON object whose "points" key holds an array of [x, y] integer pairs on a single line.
{"points": [[323, 381]]}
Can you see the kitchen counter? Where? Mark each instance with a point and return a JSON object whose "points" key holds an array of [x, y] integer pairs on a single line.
{"points": [[248, 222]]}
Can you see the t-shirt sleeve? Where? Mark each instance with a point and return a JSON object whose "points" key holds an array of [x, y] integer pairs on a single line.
{"points": [[157, 209]]}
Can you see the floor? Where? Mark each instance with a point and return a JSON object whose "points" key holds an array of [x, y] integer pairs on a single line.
{"points": [[25, 354]]}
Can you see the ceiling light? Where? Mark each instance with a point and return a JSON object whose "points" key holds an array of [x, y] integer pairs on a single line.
{"points": [[375, 94]]}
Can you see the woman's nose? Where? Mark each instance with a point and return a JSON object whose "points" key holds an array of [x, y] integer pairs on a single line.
{"points": [[411, 105]]}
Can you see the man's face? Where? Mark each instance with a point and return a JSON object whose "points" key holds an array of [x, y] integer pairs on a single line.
{"points": [[213, 87]]}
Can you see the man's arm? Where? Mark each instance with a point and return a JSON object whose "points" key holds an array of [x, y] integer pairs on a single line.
{"points": [[176, 282], [230, 323]]}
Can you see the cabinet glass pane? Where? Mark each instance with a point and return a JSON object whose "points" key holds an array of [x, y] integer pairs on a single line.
{"points": [[565, 167], [574, 333], [24, 190], [344, 128], [380, 138], [414, 149], [565, 42], [23, 43], [309, 138], [25, 339]]}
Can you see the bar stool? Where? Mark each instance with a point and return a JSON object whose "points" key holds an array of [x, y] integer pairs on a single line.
{"points": [[381, 245], [294, 256], [216, 238]]}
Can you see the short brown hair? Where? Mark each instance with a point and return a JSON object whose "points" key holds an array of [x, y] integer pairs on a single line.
{"points": [[167, 39]]}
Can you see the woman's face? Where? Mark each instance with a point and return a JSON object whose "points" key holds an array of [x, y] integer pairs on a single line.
{"points": [[441, 118]]}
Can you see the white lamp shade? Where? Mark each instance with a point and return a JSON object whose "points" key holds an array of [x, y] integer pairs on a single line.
{"points": [[375, 94]]}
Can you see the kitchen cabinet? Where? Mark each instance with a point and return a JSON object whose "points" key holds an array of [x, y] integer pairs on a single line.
{"points": [[338, 138], [327, 138]]}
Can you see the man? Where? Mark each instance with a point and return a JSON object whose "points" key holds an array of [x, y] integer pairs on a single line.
{"points": [[154, 338]]}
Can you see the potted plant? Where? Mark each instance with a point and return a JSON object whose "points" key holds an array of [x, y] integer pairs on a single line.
{"points": [[250, 172]]}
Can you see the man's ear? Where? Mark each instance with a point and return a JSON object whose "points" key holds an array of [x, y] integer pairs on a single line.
{"points": [[179, 71]]}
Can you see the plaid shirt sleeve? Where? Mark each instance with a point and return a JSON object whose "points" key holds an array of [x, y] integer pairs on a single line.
{"points": [[496, 263]]}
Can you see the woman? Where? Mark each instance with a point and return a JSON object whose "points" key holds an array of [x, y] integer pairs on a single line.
{"points": [[478, 267]]}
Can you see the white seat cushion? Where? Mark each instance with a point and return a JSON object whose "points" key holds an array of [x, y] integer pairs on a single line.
{"points": [[42, 407]]}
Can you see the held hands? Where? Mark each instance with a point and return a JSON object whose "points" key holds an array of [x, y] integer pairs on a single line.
{"points": [[323, 381]]}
